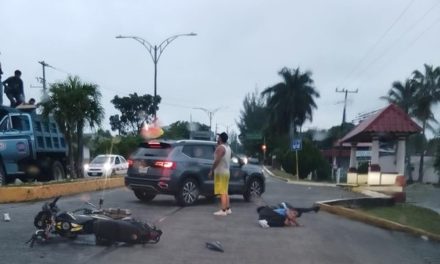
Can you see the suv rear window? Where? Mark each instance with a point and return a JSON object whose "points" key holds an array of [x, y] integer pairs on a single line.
{"points": [[156, 149], [199, 151]]}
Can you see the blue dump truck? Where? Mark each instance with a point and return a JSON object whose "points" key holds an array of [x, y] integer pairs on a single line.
{"points": [[31, 147]]}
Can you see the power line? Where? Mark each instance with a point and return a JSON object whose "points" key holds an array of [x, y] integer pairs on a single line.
{"points": [[399, 38], [60, 70], [393, 60], [423, 32], [373, 47]]}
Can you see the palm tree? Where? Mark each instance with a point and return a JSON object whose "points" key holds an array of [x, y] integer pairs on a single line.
{"points": [[291, 102], [427, 96], [403, 95], [74, 105], [90, 112]]}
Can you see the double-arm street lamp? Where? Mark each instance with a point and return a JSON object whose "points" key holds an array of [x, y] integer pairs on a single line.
{"points": [[155, 53], [210, 114]]}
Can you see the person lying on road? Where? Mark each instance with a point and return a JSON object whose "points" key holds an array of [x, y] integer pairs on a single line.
{"points": [[282, 215]]}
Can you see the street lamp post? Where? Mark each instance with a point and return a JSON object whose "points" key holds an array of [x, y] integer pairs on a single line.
{"points": [[155, 53], [223, 125], [210, 114]]}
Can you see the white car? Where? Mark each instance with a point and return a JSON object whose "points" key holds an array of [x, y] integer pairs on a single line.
{"points": [[106, 165]]}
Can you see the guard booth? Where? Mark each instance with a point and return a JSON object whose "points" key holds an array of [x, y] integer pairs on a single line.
{"points": [[391, 125]]}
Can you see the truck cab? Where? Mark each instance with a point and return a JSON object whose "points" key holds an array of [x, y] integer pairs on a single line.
{"points": [[31, 147]]}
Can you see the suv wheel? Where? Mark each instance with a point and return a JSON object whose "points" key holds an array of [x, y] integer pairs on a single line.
{"points": [[144, 196], [188, 192], [254, 189]]}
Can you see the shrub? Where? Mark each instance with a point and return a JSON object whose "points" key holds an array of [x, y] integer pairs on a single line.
{"points": [[310, 160]]}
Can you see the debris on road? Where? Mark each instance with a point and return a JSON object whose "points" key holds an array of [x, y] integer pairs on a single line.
{"points": [[215, 245], [6, 217]]}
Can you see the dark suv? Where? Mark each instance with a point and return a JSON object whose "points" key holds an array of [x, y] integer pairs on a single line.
{"points": [[181, 168]]}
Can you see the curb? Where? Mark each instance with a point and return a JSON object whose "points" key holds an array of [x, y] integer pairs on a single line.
{"points": [[273, 175], [30, 193], [379, 222], [298, 182]]}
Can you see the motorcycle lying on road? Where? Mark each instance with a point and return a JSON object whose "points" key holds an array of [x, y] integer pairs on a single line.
{"points": [[108, 225]]}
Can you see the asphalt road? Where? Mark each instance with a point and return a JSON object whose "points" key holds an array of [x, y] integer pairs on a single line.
{"points": [[324, 238]]}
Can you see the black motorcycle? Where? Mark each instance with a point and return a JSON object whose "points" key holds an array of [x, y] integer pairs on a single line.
{"points": [[91, 220]]}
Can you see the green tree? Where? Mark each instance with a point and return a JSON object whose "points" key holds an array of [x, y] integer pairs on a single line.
{"points": [[74, 105], [427, 96], [291, 102], [181, 129], [96, 141], [326, 139], [253, 119], [134, 110], [177, 130], [116, 124], [122, 145]]}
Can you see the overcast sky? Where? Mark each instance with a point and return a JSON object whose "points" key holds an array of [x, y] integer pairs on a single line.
{"points": [[240, 46]]}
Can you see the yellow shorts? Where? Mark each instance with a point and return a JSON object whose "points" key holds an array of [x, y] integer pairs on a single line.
{"points": [[221, 183]]}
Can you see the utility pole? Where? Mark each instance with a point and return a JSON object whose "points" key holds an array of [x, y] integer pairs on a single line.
{"points": [[210, 114], [345, 101], [43, 81], [338, 155]]}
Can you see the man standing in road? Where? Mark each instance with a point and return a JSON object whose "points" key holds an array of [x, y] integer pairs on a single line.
{"points": [[220, 169]]}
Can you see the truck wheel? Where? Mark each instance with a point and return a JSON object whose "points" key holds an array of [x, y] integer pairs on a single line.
{"points": [[57, 171], [2, 176]]}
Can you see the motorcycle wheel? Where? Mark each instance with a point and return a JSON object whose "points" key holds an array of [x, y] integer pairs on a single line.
{"points": [[42, 220]]}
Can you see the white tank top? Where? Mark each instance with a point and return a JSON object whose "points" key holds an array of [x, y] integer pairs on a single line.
{"points": [[223, 166]]}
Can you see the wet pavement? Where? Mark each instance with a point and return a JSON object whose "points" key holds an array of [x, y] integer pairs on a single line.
{"points": [[424, 195]]}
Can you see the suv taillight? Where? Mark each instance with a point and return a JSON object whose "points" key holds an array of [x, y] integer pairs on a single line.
{"points": [[165, 164], [130, 163]]}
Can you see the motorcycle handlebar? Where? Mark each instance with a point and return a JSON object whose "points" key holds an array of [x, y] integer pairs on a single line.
{"points": [[53, 204]]}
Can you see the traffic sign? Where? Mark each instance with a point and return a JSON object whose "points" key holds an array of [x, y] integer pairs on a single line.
{"points": [[297, 144], [254, 136]]}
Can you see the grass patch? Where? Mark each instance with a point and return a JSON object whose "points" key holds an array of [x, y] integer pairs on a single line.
{"points": [[283, 174], [409, 215], [288, 176]]}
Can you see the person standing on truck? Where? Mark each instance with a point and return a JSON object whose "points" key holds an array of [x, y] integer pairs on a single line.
{"points": [[14, 89]]}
